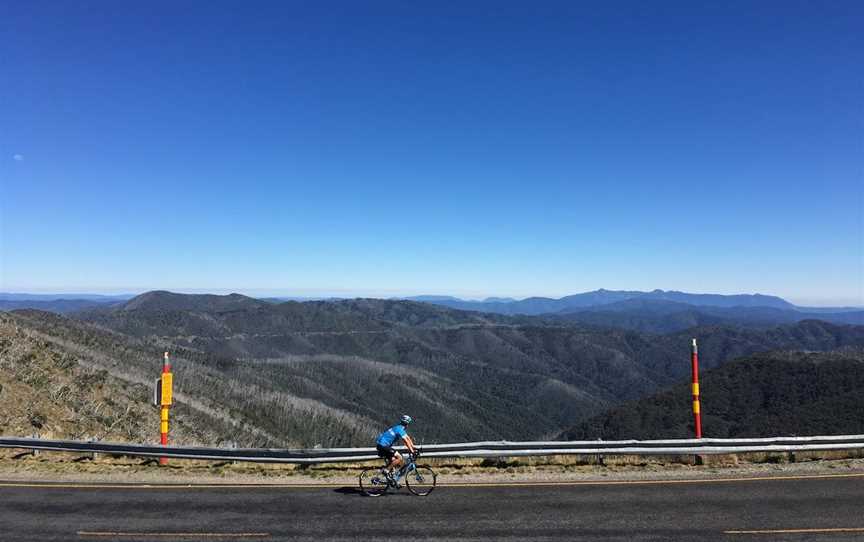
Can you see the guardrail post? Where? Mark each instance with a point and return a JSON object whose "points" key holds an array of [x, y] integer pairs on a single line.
{"points": [[233, 446], [88, 456], [601, 459]]}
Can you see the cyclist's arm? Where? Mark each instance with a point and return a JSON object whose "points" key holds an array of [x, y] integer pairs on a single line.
{"points": [[409, 443]]}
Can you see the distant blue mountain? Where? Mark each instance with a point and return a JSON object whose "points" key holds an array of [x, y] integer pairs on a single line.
{"points": [[531, 305], [716, 300], [6, 296], [661, 316], [300, 299], [578, 302], [436, 299]]}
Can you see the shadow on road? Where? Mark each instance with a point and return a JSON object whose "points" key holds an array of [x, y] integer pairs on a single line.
{"points": [[349, 491]]}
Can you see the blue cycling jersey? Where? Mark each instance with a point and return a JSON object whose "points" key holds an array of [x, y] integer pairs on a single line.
{"points": [[388, 437]]}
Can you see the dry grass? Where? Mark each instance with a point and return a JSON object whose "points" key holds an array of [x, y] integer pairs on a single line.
{"points": [[83, 467]]}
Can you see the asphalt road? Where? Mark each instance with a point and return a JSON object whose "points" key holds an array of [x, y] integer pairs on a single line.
{"points": [[825, 509]]}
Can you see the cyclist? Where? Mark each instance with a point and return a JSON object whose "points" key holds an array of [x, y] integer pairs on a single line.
{"points": [[388, 438]]}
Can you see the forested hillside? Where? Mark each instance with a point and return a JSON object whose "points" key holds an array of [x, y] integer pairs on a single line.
{"points": [[767, 394], [465, 375], [334, 373]]}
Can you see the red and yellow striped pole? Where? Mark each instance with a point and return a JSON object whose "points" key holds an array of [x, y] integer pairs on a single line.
{"points": [[697, 411], [165, 403]]}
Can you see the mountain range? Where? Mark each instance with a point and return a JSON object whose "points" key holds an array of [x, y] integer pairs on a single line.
{"points": [[657, 316], [602, 297], [656, 311], [335, 372]]}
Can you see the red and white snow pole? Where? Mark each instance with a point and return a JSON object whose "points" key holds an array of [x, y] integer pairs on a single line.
{"points": [[697, 414]]}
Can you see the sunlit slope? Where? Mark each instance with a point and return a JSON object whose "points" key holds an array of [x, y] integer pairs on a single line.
{"points": [[65, 385]]}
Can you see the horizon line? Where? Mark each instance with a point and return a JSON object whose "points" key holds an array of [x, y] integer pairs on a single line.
{"points": [[335, 293]]}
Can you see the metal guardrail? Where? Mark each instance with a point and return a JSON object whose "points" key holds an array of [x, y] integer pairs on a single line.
{"points": [[705, 446]]}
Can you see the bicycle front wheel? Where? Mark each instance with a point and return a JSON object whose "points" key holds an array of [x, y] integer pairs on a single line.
{"points": [[421, 481], [373, 483]]}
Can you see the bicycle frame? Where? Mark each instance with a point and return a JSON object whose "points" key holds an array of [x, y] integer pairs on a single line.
{"points": [[404, 469]]}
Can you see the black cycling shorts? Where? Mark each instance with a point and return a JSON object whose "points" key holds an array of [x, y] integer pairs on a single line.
{"points": [[387, 452]]}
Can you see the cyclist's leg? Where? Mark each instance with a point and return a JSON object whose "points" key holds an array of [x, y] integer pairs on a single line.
{"points": [[390, 457], [396, 462], [384, 453]]}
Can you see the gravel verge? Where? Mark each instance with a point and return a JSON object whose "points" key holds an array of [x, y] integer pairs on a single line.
{"points": [[72, 468]]}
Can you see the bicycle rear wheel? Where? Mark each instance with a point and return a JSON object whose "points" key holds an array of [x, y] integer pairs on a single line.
{"points": [[421, 480], [373, 483]]}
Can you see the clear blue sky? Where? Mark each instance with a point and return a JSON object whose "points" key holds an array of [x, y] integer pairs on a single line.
{"points": [[390, 148]]}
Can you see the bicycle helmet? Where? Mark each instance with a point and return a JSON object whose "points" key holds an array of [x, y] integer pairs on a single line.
{"points": [[405, 419]]}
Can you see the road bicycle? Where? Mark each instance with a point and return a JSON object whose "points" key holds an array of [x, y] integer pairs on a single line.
{"points": [[419, 479]]}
